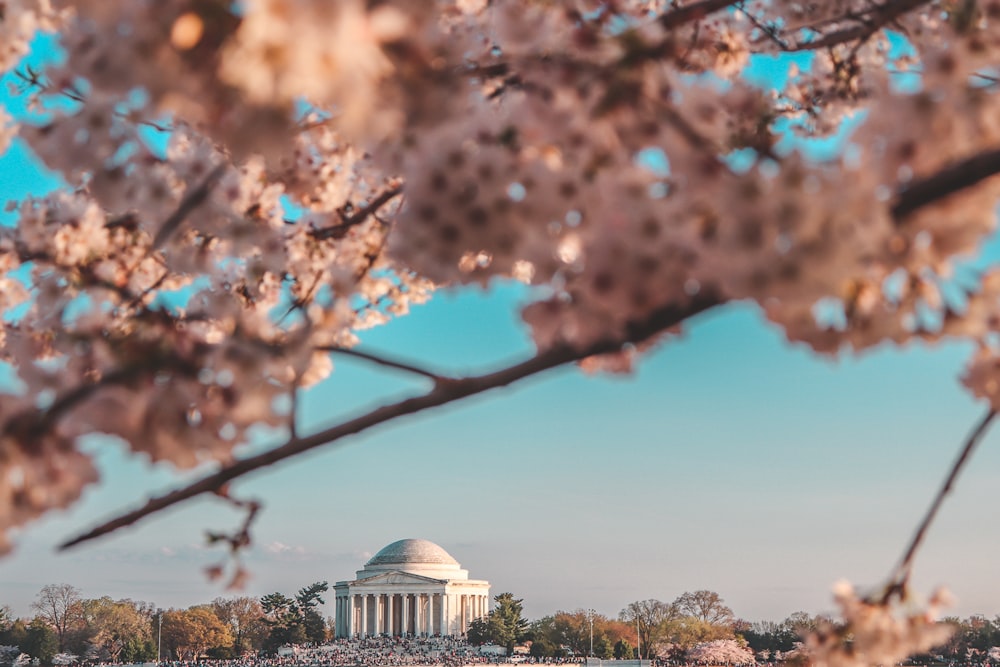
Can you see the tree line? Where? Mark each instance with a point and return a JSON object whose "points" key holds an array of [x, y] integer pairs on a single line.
{"points": [[103, 629]]}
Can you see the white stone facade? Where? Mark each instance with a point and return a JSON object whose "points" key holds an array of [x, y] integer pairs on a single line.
{"points": [[411, 587]]}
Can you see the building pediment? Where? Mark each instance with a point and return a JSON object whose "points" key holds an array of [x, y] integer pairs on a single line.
{"points": [[395, 578]]}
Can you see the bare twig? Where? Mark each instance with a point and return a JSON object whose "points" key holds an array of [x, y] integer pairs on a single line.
{"points": [[443, 393], [901, 574], [382, 361]]}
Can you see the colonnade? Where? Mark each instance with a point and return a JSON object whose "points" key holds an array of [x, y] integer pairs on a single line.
{"points": [[418, 614]]}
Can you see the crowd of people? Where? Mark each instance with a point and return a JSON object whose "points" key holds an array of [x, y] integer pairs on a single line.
{"points": [[382, 652]]}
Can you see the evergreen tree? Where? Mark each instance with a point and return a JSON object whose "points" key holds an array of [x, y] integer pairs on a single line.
{"points": [[624, 650], [603, 648], [307, 600]]}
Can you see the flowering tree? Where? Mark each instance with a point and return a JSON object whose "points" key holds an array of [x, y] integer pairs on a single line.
{"points": [[721, 652], [250, 185]]}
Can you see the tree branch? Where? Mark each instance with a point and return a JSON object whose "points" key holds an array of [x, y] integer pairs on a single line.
{"points": [[359, 216], [948, 181], [885, 14], [694, 11], [901, 574], [382, 361], [442, 394]]}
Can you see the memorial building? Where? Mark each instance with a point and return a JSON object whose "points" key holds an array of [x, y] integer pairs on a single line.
{"points": [[411, 587]]}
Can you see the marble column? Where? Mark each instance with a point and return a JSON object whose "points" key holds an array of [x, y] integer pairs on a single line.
{"points": [[340, 617], [350, 616]]}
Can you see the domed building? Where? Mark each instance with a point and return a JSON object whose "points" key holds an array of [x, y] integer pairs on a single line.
{"points": [[411, 587]]}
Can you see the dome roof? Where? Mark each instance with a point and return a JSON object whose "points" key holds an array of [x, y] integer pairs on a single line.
{"points": [[407, 552]]}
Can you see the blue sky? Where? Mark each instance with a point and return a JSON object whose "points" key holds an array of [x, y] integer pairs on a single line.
{"points": [[729, 461]]}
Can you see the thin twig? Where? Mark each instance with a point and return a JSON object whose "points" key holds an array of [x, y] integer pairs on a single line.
{"points": [[382, 361], [443, 393], [901, 574]]}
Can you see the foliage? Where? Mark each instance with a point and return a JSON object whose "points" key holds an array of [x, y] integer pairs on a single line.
{"points": [[116, 627], [188, 634], [308, 600], [244, 616], [505, 625], [571, 630], [624, 650], [770, 636], [294, 620], [41, 642]]}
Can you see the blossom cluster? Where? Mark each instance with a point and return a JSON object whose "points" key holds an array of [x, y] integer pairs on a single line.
{"points": [[720, 652], [875, 632], [249, 186]]}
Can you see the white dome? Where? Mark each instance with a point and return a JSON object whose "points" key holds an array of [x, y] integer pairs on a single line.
{"points": [[405, 552], [421, 557]]}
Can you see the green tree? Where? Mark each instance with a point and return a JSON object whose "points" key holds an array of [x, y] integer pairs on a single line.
{"points": [[505, 625], [542, 648], [307, 601], [114, 625], [41, 641], [623, 650], [603, 648], [283, 621], [508, 621], [15, 634]]}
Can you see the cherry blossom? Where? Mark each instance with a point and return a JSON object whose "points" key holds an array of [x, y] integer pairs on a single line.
{"points": [[248, 187]]}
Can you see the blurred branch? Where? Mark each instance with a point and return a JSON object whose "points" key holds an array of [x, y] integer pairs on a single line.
{"points": [[901, 574], [953, 178], [443, 393]]}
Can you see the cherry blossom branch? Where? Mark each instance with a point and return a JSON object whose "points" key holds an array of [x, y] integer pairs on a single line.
{"points": [[948, 181], [443, 393], [359, 216], [901, 574], [882, 15], [34, 423]]}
